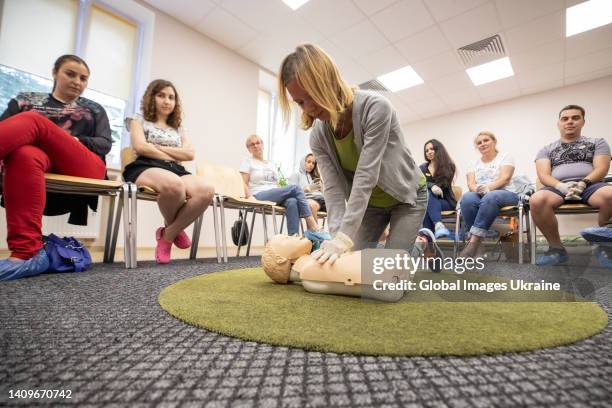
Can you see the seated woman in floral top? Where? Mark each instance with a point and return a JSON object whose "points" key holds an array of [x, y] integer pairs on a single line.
{"points": [[160, 143]]}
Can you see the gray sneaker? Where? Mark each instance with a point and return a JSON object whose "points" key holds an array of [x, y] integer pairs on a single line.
{"points": [[432, 251]]}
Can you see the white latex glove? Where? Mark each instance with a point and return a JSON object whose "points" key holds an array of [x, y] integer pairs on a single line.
{"points": [[332, 249], [437, 191], [482, 189], [564, 188], [576, 191]]}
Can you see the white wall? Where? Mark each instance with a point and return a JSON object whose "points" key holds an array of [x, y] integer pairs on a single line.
{"points": [[522, 126]]}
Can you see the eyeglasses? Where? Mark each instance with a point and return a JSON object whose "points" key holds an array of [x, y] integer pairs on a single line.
{"points": [[253, 144]]}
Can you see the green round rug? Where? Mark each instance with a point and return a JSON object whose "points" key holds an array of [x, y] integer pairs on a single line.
{"points": [[246, 304]]}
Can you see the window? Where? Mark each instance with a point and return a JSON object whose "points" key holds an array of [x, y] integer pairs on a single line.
{"points": [[14, 81], [25, 25], [113, 36], [264, 113], [111, 52], [282, 143], [285, 146]]}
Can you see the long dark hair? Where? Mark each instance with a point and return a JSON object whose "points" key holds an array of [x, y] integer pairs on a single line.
{"points": [[444, 168], [65, 58], [315, 170], [149, 112]]}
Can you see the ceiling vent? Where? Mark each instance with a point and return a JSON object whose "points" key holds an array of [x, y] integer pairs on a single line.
{"points": [[482, 51], [374, 85]]}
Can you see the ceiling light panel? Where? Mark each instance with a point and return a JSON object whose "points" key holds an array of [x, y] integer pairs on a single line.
{"points": [[491, 71], [399, 79], [295, 4], [587, 16]]}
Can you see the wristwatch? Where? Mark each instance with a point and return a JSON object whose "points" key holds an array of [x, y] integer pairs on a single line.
{"points": [[587, 181]]}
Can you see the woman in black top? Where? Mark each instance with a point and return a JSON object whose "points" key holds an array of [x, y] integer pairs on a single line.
{"points": [[58, 132], [439, 169]]}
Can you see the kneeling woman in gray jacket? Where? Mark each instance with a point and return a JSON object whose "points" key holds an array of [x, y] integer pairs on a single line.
{"points": [[371, 178]]}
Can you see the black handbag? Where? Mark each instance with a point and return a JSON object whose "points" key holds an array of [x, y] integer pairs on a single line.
{"points": [[239, 223], [509, 243]]}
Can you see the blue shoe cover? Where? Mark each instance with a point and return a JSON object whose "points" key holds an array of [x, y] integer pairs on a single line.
{"points": [[36, 265]]}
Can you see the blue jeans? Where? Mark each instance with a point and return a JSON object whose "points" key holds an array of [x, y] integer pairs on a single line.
{"points": [[480, 212], [404, 220], [293, 199], [435, 206]]}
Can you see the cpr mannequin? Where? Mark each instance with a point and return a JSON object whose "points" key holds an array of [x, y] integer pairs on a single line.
{"points": [[287, 259]]}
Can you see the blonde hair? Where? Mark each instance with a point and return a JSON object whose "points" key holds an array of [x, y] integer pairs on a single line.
{"points": [[486, 133], [318, 75], [251, 137]]}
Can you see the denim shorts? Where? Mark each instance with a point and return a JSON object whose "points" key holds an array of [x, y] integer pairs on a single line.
{"points": [[586, 194]]}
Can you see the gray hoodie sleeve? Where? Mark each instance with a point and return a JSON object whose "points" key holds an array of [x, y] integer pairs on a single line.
{"points": [[294, 179], [297, 179], [300, 177]]}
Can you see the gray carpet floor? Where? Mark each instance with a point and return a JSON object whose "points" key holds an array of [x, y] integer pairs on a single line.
{"points": [[102, 335]]}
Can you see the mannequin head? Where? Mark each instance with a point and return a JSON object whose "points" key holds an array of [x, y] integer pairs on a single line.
{"points": [[280, 254]]}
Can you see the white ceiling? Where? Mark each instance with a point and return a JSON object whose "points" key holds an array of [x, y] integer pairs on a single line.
{"points": [[368, 38]]}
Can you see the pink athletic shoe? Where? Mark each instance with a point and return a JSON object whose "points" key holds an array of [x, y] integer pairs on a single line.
{"points": [[163, 248], [182, 240]]}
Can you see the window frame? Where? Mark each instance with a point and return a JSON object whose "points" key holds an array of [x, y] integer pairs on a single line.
{"points": [[289, 162], [144, 19]]}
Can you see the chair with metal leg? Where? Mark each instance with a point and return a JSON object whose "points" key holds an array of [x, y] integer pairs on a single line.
{"points": [[520, 211], [62, 184], [450, 216], [569, 208], [229, 194], [148, 194]]}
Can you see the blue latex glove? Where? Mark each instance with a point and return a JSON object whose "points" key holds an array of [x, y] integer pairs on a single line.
{"points": [[317, 237], [332, 249]]}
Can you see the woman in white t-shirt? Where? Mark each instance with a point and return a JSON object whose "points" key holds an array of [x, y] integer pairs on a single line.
{"points": [[161, 145], [489, 180], [261, 182]]}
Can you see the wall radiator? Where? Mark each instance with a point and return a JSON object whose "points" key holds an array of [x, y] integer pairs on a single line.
{"points": [[60, 227]]}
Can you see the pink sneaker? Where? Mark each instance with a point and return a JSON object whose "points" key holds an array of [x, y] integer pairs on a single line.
{"points": [[182, 240], [163, 248]]}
